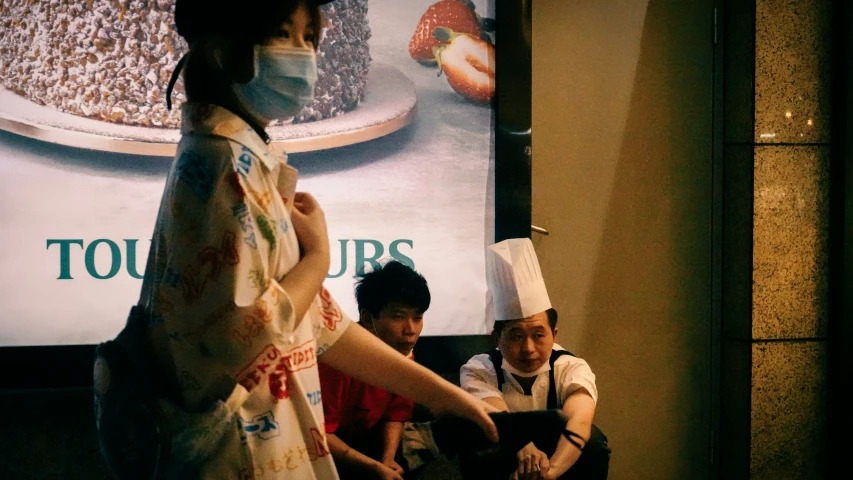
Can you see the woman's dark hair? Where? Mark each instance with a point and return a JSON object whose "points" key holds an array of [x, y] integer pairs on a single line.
{"points": [[249, 21], [552, 321], [391, 282]]}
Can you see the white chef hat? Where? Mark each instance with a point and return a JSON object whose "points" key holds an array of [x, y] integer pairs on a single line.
{"points": [[516, 288]]}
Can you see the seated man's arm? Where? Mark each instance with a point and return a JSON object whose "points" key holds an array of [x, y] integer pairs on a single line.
{"points": [[478, 378], [576, 386], [399, 410], [344, 454], [579, 407], [391, 434]]}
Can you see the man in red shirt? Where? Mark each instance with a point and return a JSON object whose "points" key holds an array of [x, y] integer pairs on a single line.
{"points": [[364, 423]]}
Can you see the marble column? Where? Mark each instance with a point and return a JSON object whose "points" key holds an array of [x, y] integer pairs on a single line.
{"points": [[777, 91]]}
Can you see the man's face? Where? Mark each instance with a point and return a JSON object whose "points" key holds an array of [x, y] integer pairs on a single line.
{"points": [[526, 344], [399, 325]]}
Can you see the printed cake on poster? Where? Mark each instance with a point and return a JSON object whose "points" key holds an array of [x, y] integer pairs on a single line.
{"points": [[397, 148]]}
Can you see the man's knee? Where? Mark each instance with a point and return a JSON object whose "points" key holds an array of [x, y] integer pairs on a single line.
{"points": [[597, 453], [594, 462]]}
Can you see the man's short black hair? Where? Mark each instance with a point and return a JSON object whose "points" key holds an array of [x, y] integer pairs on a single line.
{"points": [[391, 282], [552, 320]]}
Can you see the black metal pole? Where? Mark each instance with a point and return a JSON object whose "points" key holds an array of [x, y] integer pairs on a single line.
{"points": [[513, 119], [840, 308]]}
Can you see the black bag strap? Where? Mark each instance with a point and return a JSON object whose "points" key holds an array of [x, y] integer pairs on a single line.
{"points": [[552, 384], [497, 359], [134, 336], [145, 294]]}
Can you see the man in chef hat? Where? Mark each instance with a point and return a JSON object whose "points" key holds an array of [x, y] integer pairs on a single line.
{"points": [[529, 371]]}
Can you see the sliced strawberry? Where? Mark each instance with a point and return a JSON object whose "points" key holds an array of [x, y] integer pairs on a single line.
{"points": [[469, 65], [456, 15]]}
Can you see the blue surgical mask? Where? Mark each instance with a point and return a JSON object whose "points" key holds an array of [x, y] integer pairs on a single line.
{"points": [[283, 83]]}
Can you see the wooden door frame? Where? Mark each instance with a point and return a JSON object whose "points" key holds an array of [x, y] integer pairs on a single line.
{"points": [[717, 160]]}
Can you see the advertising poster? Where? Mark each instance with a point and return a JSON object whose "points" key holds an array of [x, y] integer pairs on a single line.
{"points": [[398, 153]]}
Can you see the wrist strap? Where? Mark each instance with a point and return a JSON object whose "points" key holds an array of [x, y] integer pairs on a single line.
{"points": [[570, 436]]}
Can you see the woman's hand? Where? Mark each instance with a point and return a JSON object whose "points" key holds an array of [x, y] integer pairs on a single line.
{"points": [[380, 471], [393, 466], [309, 223], [305, 279], [460, 403]]}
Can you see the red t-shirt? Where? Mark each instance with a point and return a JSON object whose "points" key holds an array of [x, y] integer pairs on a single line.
{"points": [[352, 407]]}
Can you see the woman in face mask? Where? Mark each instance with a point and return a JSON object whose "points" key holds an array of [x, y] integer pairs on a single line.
{"points": [[256, 58], [235, 313]]}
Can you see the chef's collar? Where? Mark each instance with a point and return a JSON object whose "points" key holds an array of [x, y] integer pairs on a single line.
{"points": [[509, 368], [206, 119]]}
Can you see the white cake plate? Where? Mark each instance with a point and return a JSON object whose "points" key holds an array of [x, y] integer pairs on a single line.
{"points": [[389, 105]]}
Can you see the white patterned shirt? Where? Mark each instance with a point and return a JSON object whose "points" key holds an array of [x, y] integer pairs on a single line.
{"points": [[224, 241]]}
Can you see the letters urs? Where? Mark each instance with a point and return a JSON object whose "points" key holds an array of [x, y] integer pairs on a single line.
{"points": [[103, 258]]}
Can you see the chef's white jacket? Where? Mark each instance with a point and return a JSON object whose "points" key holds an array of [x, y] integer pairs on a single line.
{"points": [[478, 377]]}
